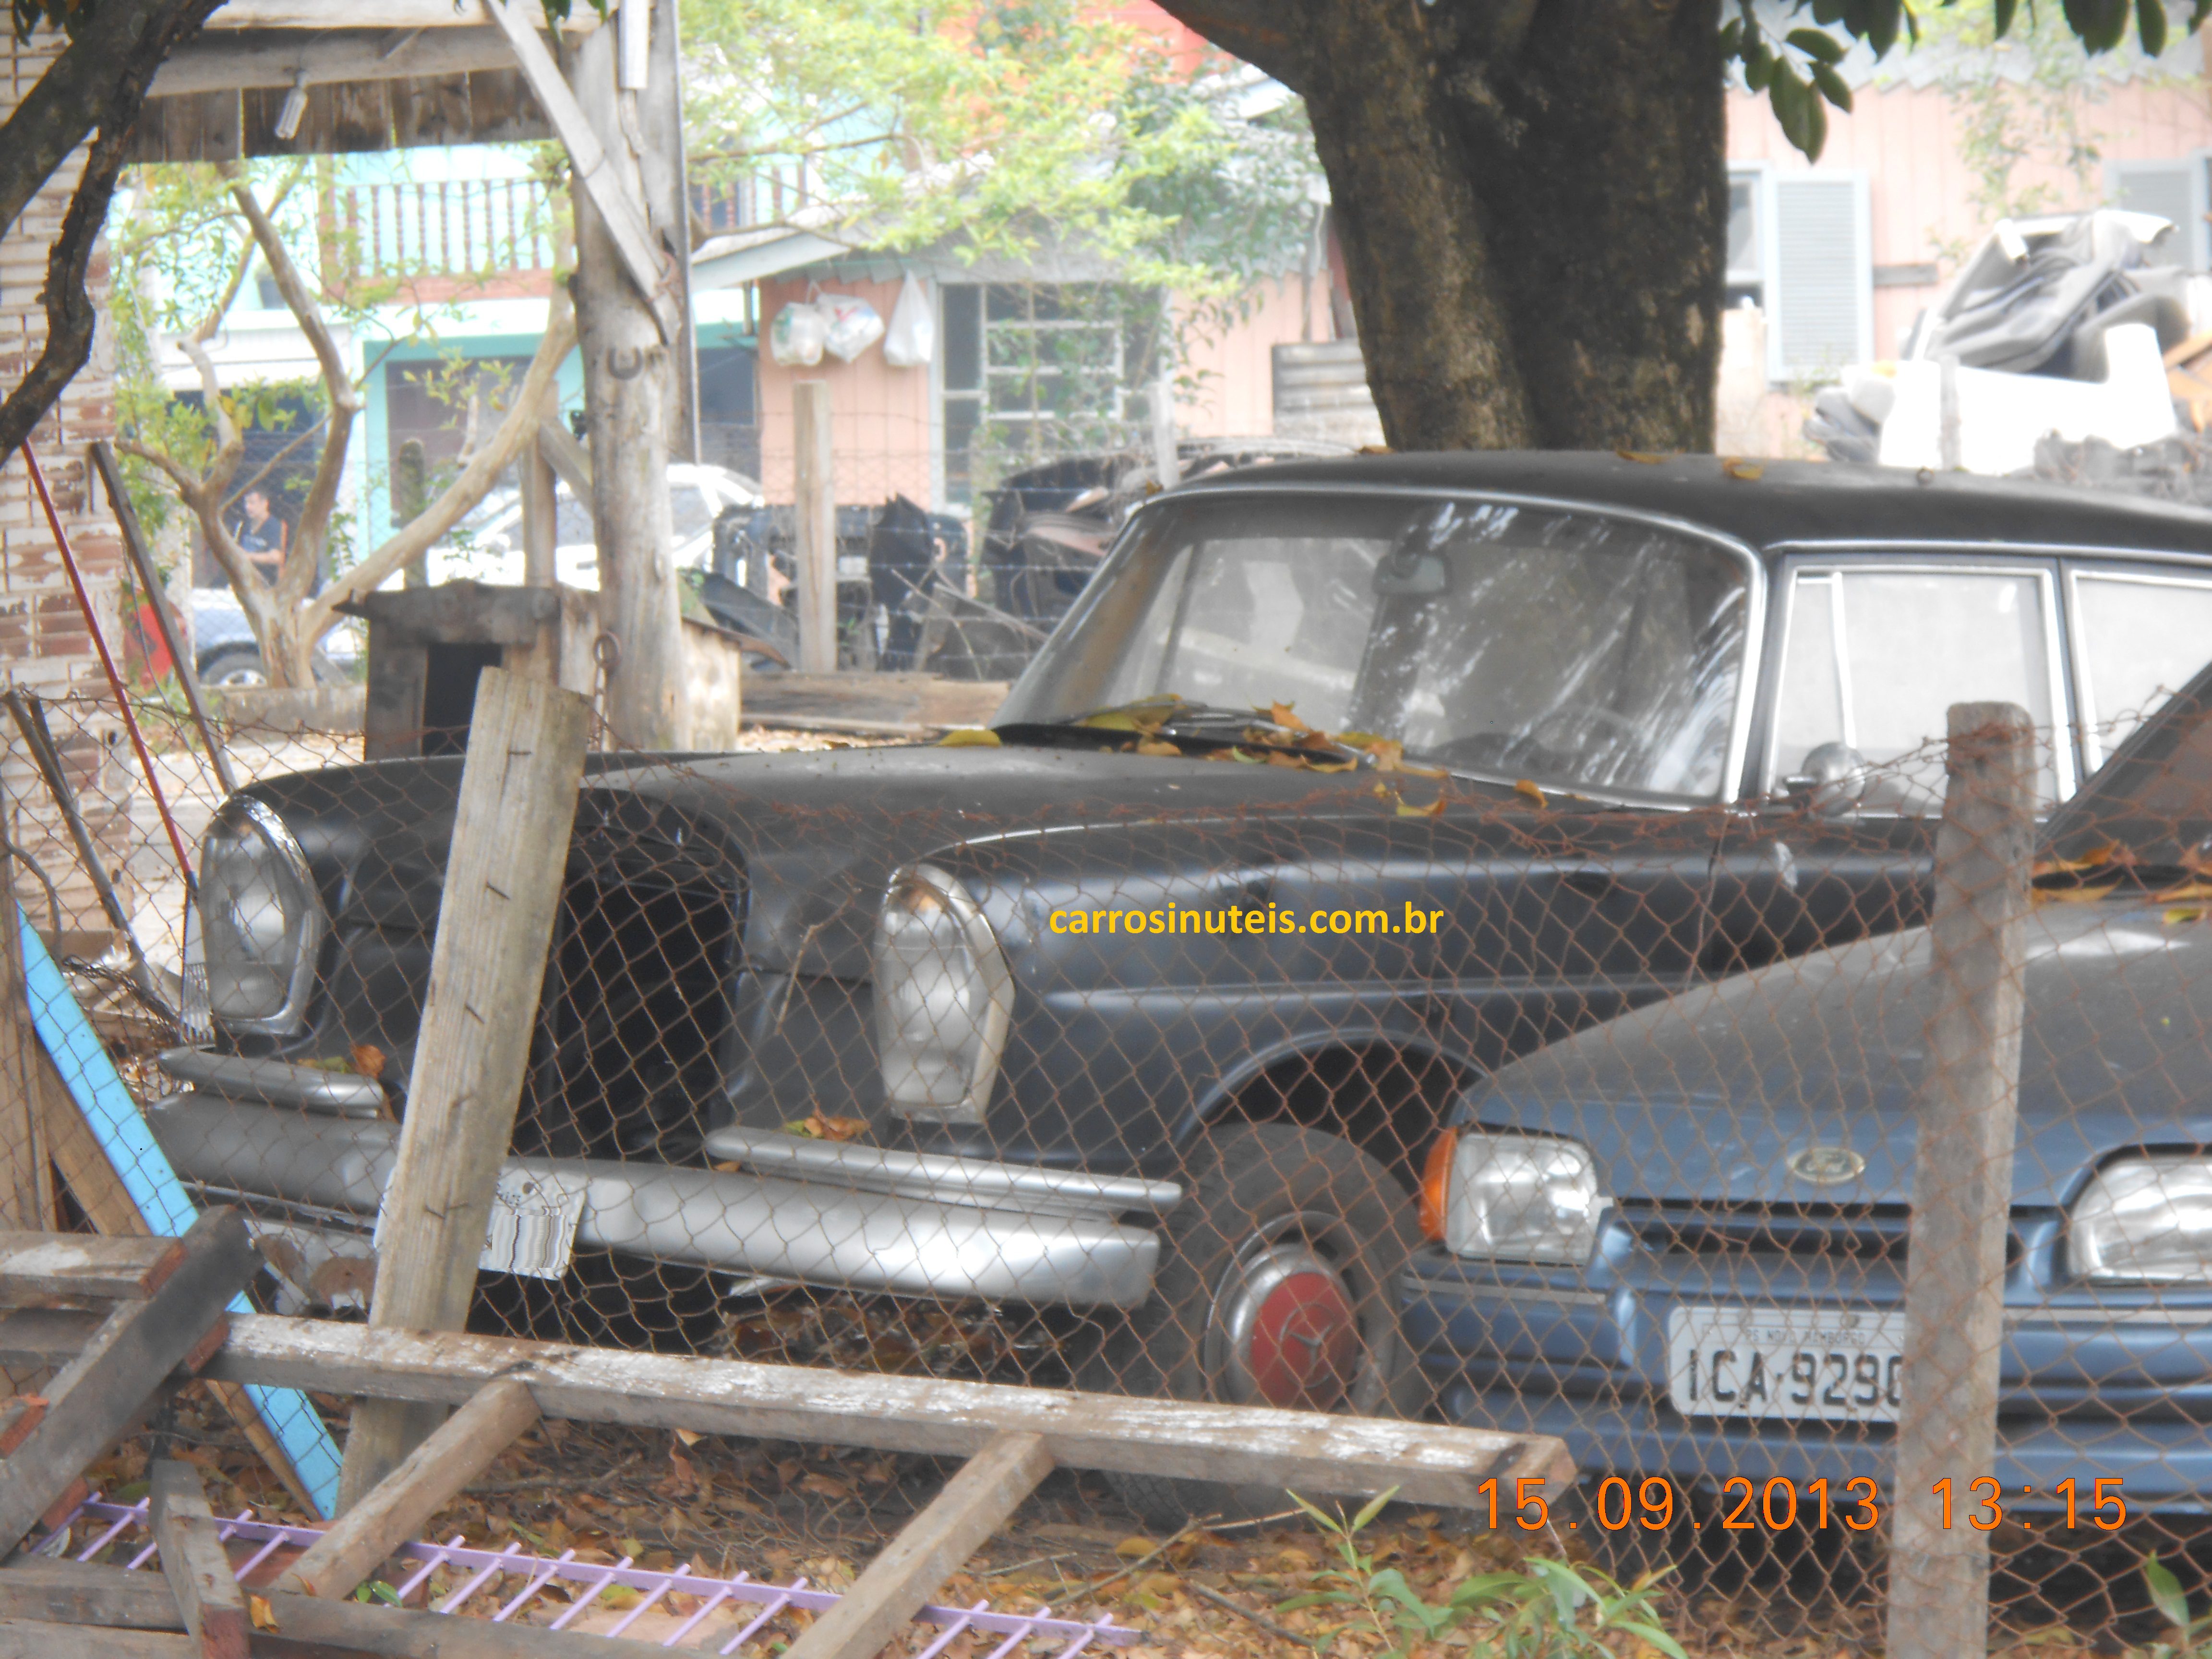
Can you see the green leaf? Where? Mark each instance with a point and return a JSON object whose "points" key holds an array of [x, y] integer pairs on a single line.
{"points": [[2006, 10], [1816, 126], [2197, 14], [1836, 92], [1373, 1507], [1828, 12], [1818, 45], [2150, 25], [1329, 1523], [1655, 1638], [1758, 73], [2165, 1592], [1884, 19], [1789, 98]]}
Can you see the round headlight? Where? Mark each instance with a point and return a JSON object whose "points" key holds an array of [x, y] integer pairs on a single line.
{"points": [[943, 998], [1522, 1198], [262, 922], [2145, 1220]]}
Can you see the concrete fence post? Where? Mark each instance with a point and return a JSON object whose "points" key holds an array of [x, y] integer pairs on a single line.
{"points": [[814, 539], [1939, 1575]]}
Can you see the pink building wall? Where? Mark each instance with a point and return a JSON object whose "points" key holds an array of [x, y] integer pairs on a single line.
{"points": [[1920, 191], [1232, 371], [880, 416]]}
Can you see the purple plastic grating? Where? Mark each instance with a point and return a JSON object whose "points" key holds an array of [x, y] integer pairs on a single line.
{"points": [[593, 1579]]}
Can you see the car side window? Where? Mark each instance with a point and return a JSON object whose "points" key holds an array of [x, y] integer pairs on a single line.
{"points": [[2138, 639], [1874, 658]]}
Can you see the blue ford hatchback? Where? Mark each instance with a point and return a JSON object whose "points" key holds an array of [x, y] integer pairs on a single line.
{"points": [[1677, 1240]]}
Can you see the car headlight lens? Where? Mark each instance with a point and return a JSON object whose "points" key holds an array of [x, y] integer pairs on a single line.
{"points": [[2145, 1220], [262, 922], [943, 998], [1522, 1198]]}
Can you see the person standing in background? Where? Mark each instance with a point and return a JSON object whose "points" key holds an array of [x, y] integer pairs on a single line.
{"points": [[262, 536]]}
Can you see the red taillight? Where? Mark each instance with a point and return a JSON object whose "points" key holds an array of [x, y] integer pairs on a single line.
{"points": [[1436, 1185]]}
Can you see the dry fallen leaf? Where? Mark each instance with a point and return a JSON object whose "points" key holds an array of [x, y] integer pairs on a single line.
{"points": [[1642, 456], [1428, 811], [689, 1437], [817, 1126], [1736, 467], [1159, 746], [258, 1610], [1282, 715], [369, 1060], [825, 1485], [1135, 1547], [969, 737], [2181, 913], [1528, 791]]}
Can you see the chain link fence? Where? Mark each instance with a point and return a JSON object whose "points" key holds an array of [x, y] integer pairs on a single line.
{"points": [[1242, 1058]]}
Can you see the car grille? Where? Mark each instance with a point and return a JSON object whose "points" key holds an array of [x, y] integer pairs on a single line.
{"points": [[1863, 1233], [634, 1021]]}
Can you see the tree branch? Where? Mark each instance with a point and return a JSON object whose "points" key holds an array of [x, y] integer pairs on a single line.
{"points": [[517, 428], [308, 535], [1265, 32], [81, 86]]}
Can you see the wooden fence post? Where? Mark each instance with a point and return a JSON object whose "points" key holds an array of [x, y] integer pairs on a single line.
{"points": [[814, 539], [25, 1193], [1939, 1576], [503, 876]]}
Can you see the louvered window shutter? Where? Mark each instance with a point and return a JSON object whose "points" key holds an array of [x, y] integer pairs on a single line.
{"points": [[1821, 295], [2172, 190]]}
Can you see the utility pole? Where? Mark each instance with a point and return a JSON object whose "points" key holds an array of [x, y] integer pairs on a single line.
{"points": [[630, 341]]}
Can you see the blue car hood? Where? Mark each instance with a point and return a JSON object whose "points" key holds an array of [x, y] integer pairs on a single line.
{"points": [[1707, 1097]]}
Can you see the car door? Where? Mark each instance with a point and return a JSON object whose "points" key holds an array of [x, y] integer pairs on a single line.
{"points": [[1868, 652]]}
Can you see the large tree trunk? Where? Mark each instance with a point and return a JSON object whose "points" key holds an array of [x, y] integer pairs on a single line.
{"points": [[1531, 196]]}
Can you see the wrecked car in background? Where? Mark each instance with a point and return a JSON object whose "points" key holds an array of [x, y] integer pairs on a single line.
{"points": [[1342, 782], [1643, 1245]]}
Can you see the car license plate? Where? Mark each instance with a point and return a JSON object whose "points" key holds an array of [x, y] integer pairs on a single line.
{"points": [[1836, 1365]]}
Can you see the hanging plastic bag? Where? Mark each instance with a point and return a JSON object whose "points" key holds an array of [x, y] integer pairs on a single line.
{"points": [[798, 334], [854, 324], [912, 341]]}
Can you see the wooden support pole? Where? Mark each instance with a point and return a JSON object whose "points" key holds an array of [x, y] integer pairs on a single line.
{"points": [[26, 1191], [503, 875], [814, 539], [462, 1449], [194, 1562], [1939, 1575], [629, 404], [540, 514], [974, 1504]]}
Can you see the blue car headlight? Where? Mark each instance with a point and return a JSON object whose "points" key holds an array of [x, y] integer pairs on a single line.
{"points": [[2145, 1220], [1522, 1198]]}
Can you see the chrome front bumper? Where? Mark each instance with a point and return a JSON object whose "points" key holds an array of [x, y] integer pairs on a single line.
{"points": [[855, 1218]]}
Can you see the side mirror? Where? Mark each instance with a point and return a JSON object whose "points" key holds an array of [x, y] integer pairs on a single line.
{"points": [[1408, 574], [1833, 778]]}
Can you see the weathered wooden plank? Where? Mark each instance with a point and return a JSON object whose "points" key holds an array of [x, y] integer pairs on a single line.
{"points": [[396, 16], [1967, 1107], [35, 1265], [24, 1639], [46, 1336], [193, 1561], [974, 1504], [1350, 1456], [96, 1396], [462, 1449], [503, 874], [26, 1194], [58, 1595]]}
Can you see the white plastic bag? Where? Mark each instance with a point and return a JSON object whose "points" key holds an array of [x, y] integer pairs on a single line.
{"points": [[795, 339], [854, 324], [912, 341]]}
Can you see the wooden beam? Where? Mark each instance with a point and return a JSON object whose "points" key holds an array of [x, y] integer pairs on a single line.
{"points": [[974, 1504], [462, 1449], [194, 1562], [25, 1638], [59, 1595], [508, 854], [390, 16], [34, 1266], [610, 194], [27, 1198], [97, 1396], [568, 457], [274, 58], [1967, 1109], [1348, 1456]]}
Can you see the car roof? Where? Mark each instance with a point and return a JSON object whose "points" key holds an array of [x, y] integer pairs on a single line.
{"points": [[1770, 503]]}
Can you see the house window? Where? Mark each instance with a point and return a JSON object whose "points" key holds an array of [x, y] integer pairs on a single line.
{"points": [[1747, 267], [2177, 190], [1036, 370]]}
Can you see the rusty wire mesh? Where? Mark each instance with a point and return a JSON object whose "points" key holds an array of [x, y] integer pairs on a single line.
{"points": [[1489, 1098]]}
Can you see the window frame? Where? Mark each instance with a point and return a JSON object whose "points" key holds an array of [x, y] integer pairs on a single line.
{"points": [[1908, 561], [2170, 572]]}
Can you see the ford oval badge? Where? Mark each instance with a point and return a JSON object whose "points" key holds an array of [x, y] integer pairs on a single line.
{"points": [[1828, 1166]]}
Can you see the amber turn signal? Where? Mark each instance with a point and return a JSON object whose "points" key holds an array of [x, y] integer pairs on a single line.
{"points": [[1436, 1185]]}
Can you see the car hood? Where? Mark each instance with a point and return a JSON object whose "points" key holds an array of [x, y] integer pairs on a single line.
{"points": [[1708, 1096], [818, 833]]}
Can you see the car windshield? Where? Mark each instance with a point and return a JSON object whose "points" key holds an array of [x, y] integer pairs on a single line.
{"points": [[1565, 648]]}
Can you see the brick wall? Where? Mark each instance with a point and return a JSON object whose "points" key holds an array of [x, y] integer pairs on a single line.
{"points": [[44, 645]]}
